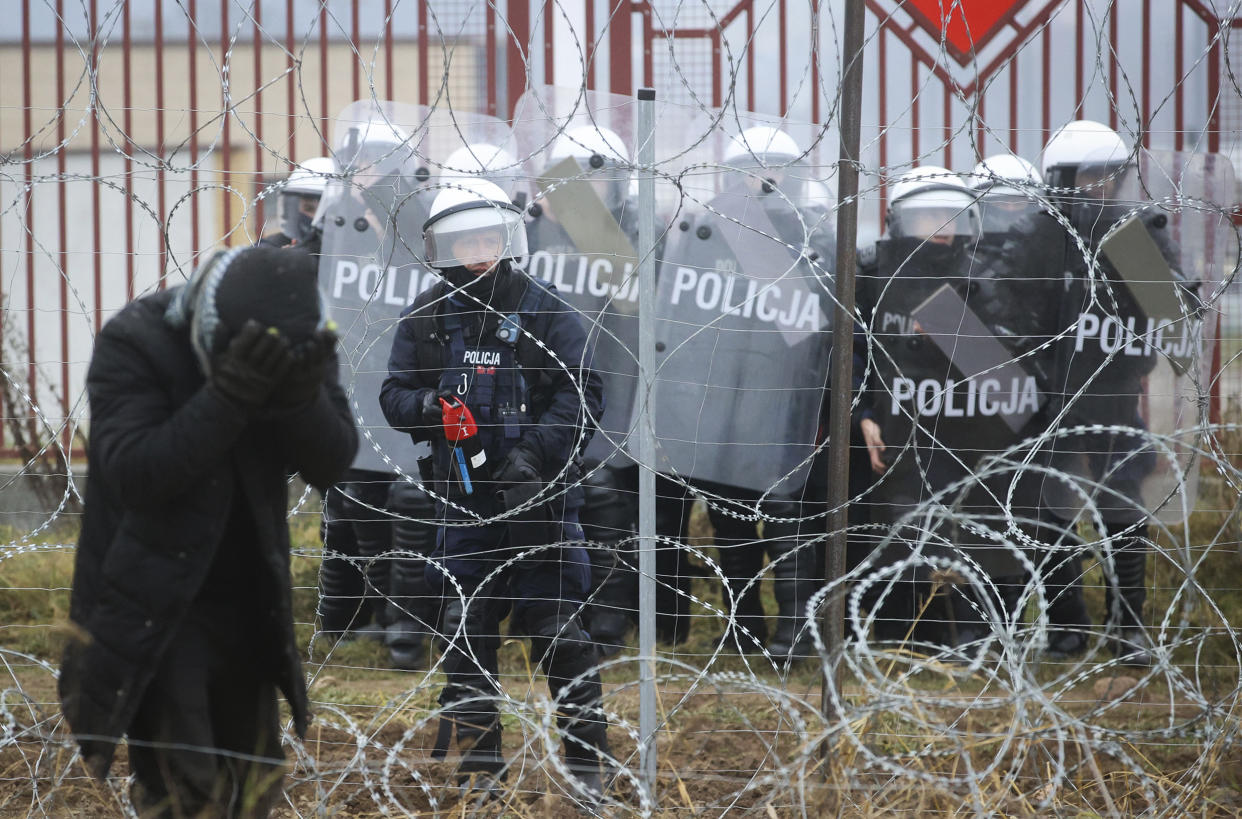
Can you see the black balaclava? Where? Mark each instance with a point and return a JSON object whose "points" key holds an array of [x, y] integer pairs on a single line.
{"points": [[483, 288]]}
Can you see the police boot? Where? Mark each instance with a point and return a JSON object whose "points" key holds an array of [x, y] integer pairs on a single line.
{"points": [[413, 604], [1128, 639], [481, 769], [895, 602], [673, 569], [966, 627], [470, 666], [794, 584], [1068, 621], [615, 584], [608, 521], [741, 564], [569, 659], [374, 535], [411, 610]]}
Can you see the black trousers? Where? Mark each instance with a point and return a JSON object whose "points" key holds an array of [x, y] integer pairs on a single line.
{"points": [[206, 737], [353, 581]]}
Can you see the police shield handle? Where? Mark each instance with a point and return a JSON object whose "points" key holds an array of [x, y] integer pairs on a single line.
{"points": [[588, 222], [1132, 251], [997, 384]]}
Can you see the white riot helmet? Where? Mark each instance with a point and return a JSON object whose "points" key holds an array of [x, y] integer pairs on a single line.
{"points": [[300, 195], [1007, 171], [486, 161], [932, 203], [1072, 144], [594, 143], [816, 195], [766, 152], [770, 145], [603, 157], [374, 149], [1008, 188], [473, 221]]}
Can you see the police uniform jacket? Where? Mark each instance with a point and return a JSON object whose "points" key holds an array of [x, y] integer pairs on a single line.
{"points": [[565, 394], [168, 458]]}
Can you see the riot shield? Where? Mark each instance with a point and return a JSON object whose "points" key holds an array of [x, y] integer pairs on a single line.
{"points": [[370, 267], [955, 389], [582, 232], [1133, 359], [742, 311]]}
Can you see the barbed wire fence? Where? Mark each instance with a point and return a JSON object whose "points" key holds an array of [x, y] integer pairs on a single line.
{"points": [[136, 137]]}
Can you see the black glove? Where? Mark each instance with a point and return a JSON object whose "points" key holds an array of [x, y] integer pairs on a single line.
{"points": [[521, 465], [306, 373], [432, 409], [255, 361]]}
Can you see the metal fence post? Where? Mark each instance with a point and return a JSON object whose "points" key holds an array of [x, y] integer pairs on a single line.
{"points": [[647, 717], [842, 352]]}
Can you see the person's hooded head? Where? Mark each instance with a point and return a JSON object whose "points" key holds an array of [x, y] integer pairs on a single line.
{"points": [[278, 288]]}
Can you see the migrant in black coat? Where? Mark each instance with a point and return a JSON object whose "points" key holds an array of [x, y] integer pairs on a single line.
{"points": [[167, 456]]}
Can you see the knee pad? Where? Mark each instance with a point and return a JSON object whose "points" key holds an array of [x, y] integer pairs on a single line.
{"points": [[792, 560], [414, 530], [474, 625], [560, 645], [336, 529], [610, 512]]}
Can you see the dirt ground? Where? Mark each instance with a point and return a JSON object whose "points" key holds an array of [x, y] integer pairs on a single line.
{"points": [[726, 748]]}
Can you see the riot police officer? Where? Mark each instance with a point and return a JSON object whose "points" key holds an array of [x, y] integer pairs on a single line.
{"points": [[492, 369], [368, 219], [299, 200], [585, 220], [742, 360], [931, 415], [1099, 383], [1017, 276]]}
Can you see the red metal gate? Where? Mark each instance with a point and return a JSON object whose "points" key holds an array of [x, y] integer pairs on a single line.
{"points": [[135, 138]]}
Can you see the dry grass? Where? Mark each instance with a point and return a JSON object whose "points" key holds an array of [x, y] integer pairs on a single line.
{"points": [[737, 739]]}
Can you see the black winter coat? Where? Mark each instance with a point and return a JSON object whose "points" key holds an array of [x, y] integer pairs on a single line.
{"points": [[167, 457]]}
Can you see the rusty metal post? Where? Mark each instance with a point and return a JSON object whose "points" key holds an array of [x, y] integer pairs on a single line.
{"points": [[833, 621]]}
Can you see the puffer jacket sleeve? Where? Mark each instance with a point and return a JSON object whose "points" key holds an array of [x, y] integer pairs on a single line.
{"points": [[319, 441], [151, 450]]}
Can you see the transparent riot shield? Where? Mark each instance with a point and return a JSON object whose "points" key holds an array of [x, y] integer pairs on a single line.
{"points": [[1133, 360], [460, 145], [582, 232], [948, 392], [370, 267], [743, 306]]}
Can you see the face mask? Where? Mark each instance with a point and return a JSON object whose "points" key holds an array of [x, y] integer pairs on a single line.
{"points": [[475, 286]]}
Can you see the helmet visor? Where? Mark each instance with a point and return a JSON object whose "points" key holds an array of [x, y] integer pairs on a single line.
{"points": [[938, 212], [1003, 208], [484, 233], [296, 212]]}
